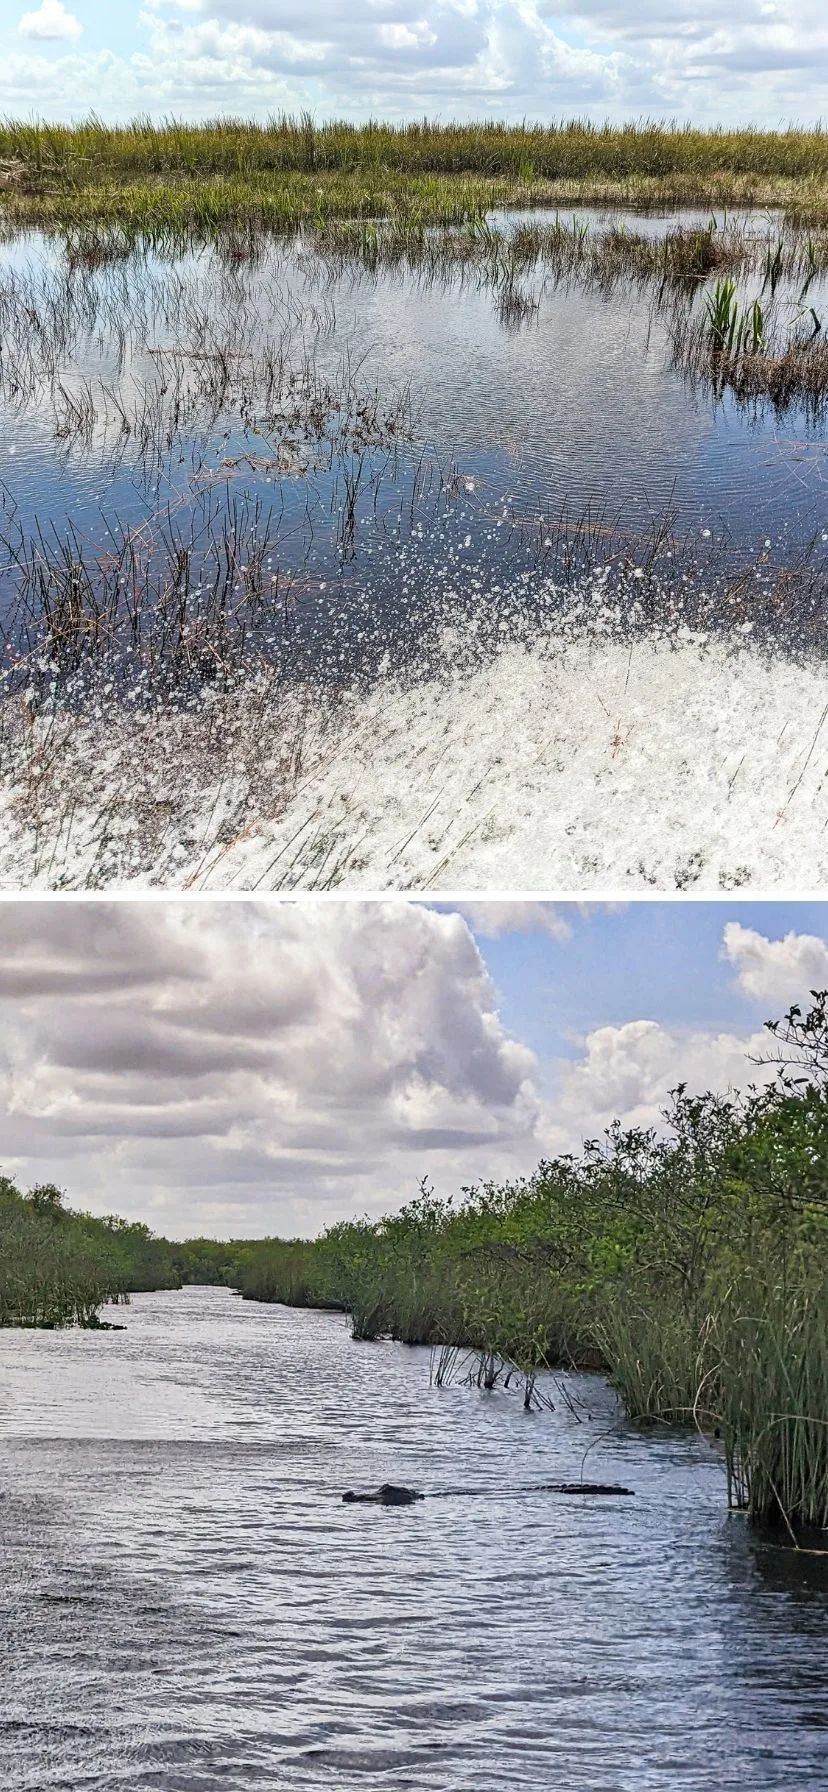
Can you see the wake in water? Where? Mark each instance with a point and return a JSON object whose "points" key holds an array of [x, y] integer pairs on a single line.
{"points": [[569, 760]]}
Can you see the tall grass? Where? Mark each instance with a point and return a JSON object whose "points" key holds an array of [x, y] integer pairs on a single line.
{"points": [[291, 169], [59, 1268], [689, 1266], [574, 147]]}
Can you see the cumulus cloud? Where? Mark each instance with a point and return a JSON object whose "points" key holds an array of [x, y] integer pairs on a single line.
{"points": [[244, 1068], [760, 61], [491, 919], [241, 1067], [777, 971], [51, 23], [626, 1071]]}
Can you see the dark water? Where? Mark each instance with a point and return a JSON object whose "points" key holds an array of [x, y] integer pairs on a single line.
{"points": [[186, 1604], [576, 413]]}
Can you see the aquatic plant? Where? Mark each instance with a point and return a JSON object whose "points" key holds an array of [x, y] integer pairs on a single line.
{"points": [[231, 173], [759, 354], [723, 315]]}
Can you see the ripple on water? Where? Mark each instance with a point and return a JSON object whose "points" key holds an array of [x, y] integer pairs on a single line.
{"points": [[186, 1603]]}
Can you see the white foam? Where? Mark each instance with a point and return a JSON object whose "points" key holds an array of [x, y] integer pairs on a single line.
{"points": [[581, 764]]}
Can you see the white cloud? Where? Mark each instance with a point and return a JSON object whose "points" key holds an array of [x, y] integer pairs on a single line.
{"points": [[626, 1072], [51, 23], [776, 971], [261, 1068], [761, 61], [245, 1068], [407, 37], [492, 918]]}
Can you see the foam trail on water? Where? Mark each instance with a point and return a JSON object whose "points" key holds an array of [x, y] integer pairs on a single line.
{"points": [[573, 763]]}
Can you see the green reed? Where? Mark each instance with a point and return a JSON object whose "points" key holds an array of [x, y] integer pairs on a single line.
{"points": [[233, 146], [688, 1265], [287, 170]]}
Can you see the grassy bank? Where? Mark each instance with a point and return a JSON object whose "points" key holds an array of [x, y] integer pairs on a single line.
{"points": [[691, 1267], [289, 170], [59, 1267]]}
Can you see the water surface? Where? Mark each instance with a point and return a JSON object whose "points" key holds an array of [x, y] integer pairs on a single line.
{"points": [[186, 1603], [576, 412]]}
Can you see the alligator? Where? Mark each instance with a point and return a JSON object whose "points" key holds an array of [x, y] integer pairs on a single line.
{"points": [[386, 1495], [390, 1495]]}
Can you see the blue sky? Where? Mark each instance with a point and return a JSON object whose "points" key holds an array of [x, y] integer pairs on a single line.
{"points": [[759, 61], [254, 1067], [661, 960]]}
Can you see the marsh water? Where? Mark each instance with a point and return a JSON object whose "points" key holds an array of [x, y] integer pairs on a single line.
{"points": [[333, 569], [509, 431], [187, 1604]]}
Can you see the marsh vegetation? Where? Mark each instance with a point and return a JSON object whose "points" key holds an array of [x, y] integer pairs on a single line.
{"points": [[59, 1267], [688, 1265], [231, 170]]}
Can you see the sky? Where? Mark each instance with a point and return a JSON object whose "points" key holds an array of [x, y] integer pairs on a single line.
{"points": [[244, 1069], [730, 61]]}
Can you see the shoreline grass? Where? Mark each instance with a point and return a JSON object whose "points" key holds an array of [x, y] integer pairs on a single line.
{"points": [[282, 203], [58, 1267], [291, 170], [687, 1267]]}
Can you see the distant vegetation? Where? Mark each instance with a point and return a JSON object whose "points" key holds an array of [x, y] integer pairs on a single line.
{"points": [[690, 1266], [233, 146], [291, 168], [58, 1267]]}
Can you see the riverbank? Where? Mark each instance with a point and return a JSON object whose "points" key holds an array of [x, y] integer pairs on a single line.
{"points": [[689, 1267]]}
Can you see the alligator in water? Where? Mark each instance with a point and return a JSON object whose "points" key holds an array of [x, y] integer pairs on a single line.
{"points": [[386, 1495], [390, 1495]]}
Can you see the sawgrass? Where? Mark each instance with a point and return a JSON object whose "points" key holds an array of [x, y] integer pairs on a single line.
{"points": [[149, 175]]}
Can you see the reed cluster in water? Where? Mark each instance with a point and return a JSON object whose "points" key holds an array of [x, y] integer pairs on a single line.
{"points": [[691, 1266], [231, 337]]}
